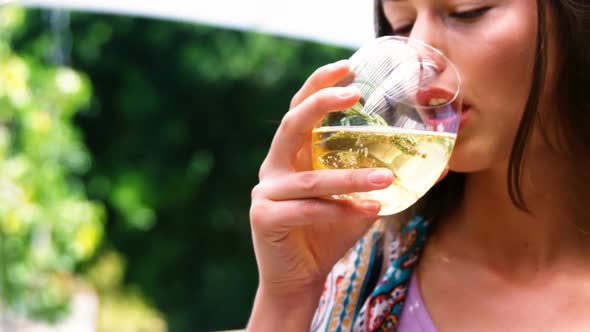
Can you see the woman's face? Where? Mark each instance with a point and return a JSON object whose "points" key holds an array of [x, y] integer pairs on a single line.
{"points": [[492, 43]]}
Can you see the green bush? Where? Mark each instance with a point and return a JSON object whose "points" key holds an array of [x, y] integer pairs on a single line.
{"points": [[47, 223], [179, 121]]}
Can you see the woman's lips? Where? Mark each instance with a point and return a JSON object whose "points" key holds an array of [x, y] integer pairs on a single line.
{"points": [[439, 109], [465, 115], [424, 97]]}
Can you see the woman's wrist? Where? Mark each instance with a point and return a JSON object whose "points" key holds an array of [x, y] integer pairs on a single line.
{"points": [[288, 311]]}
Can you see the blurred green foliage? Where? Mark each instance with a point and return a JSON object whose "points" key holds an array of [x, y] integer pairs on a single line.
{"points": [[179, 122], [121, 308], [47, 223]]}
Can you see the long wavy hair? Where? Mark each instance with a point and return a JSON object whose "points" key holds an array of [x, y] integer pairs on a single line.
{"points": [[570, 21]]}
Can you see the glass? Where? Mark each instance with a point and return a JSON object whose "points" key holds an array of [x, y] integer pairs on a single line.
{"points": [[406, 120]]}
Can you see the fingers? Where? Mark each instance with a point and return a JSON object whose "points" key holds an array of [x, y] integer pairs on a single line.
{"points": [[315, 99], [323, 77], [267, 215], [297, 124], [324, 183]]}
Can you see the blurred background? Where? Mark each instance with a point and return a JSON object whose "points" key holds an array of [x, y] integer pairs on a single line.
{"points": [[129, 143]]}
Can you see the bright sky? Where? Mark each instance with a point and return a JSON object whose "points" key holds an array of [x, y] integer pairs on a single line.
{"points": [[341, 22]]}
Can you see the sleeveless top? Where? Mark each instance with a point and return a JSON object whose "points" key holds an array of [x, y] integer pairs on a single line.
{"points": [[415, 317], [356, 298]]}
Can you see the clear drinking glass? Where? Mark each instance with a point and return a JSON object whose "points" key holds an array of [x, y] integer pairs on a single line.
{"points": [[406, 120]]}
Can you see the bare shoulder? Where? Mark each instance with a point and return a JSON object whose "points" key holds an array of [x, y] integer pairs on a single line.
{"points": [[462, 294]]}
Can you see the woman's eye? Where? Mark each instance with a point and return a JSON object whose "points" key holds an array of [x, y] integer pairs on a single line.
{"points": [[470, 14], [463, 15]]}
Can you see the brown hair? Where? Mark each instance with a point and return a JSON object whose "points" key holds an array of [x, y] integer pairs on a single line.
{"points": [[571, 25]]}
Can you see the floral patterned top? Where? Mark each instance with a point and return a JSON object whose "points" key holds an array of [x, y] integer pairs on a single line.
{"points": [[356, 298]]}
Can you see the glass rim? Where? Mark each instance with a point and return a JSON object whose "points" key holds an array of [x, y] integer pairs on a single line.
{"points": [[447, 61]]}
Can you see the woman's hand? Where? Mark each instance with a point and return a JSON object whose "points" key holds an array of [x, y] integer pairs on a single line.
{"points": [[298, 233]]}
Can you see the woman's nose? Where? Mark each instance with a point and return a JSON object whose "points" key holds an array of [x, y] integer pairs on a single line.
{"points": [[427, 30]]}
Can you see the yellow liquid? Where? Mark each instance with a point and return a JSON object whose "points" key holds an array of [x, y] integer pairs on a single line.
{"points": [[417, 159]]}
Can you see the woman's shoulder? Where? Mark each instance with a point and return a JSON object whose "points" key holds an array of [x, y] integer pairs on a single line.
{"points": [[366, 287]]}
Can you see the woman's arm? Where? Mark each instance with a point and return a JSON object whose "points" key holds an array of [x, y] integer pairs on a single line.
{"points": [[286, 313]]}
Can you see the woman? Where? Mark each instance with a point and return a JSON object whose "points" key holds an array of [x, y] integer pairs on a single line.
{"points": [[503, 240]]}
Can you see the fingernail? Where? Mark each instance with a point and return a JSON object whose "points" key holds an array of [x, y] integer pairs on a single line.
{"points": [[370, 206], [338, 64], [380, 177], [347, 92]]}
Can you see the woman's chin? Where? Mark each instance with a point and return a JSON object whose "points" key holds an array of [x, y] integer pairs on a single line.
{"points": [[462, 162]]}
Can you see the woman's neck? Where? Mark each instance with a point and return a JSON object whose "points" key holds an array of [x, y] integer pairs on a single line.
{"points": [[488, 228]]}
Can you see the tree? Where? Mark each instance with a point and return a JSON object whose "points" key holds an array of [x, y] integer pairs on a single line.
{"points": [[47, 224], [178, 124]]}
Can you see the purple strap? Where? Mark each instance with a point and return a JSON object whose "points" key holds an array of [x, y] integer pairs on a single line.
{"points": [[415, 317]]}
